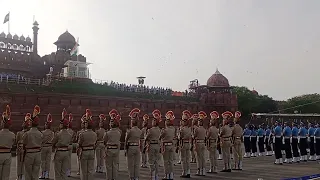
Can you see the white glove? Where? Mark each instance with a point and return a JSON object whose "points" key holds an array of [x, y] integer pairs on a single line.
{"points": [[274, 139], [298, 139], [283, 141], [290, 139], [309, 139], [315, 140], [258, 139]]}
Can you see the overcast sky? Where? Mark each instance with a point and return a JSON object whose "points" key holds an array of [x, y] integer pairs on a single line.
{"points": [[269, 45]]}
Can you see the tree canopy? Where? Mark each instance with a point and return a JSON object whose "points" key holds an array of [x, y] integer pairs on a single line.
{"points": [[308, 103]]}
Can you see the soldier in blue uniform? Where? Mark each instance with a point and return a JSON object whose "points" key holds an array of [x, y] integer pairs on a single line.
{"points": [[277, 140], [287, 133], [294, 143], [253, 139], [267, 141], [317, 141], [246, 140], [303, 142], [311, 131], [260, 134]]}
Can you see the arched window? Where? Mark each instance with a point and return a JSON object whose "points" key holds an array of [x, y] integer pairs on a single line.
{"points": [[21, 48], [2, 45], [15, 47]]}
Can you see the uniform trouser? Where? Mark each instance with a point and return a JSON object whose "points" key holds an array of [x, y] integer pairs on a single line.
{"points": [[261, 144], [288, 148], [100, 154], [168, 158], [154, 158], [219, 147], [143, 154], [193, 154], [87, 165], [237, 149], [185, 157], [112, 162], [247, 145], [20, 164], [61, 159], [133, 161], [311, 146], [294, 145], [32, 162], [213, 156], [70, 147], [268, 146], [254, 144], [225, 147], [278, 147], [200, 149], [303, 146], [78, 159], [5, 166], [318, 146], [46, 158]]}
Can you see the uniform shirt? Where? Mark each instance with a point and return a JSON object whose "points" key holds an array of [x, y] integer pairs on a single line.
{"points": [[213, 133], [247, 132], [7, 138], [295, 131], [237, 131], [62, 139], [287, 131], [311, 131], [226, 131], [168, 134], [277, 131], [267, 132], [260, 132], [87, 138], [254, 133], [317, 132], [185, 133], [112, 137], [71, 132], [153, 134], [48, 136], [133, 135], [32, 138], [303, 132], [200, 133], [100, 133], [78, 134]]}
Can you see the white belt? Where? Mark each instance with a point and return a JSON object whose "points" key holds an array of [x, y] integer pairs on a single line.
{"points": [[260, 136], [302, 137], [246, 136], [295, 137], [278, 136], [253, 136], [287, 137], [317, 137], [311, 136]]}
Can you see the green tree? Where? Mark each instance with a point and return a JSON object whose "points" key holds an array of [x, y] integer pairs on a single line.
{"points": [[308, 103]]}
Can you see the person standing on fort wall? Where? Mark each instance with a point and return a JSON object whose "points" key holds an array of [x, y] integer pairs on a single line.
{"points": [[20, 149], [142, 142], [46, 149], [60, 144], [71, 132], [6, 142], [100, 145], [32, 141]]}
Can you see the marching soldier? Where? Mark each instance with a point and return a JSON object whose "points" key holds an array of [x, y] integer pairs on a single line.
{"points": [[87, 141], [268, 141], [194, 126], [167, 136], [277, 140], [32, 141], [153, 146], [294, 143], [253, 141], [246, 141], [178, 142], [303, 142], [212, 139], [112, 144], [260, 134], [287, 133], [71, 143], [77, 140], [100, 148], [199, 138], [317, 141], [46, 149], [143, 133], [184, 144], [219, 144], [237, 133], [6, 143], [226, 143], [61, 143], [311, 131], [20, 150], [132, 141]]}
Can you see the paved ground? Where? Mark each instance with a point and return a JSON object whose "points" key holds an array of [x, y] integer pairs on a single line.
{"points": [[254, 168]]}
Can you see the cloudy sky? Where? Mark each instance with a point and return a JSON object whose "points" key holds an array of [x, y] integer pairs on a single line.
{"points": [[269, 45]]}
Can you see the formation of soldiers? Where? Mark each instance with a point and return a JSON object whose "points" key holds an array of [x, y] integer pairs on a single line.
{"points": [[293, 141]]}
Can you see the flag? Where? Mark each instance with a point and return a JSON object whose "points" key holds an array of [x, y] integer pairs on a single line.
{"points": [[75, 49], [6, 18]]}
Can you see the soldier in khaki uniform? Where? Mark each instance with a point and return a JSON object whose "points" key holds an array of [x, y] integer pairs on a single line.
{"points": [[237, 134], [71, 132], [32, 141], [199, 138], [225, 136], [212, 139], [6, 143], [77, 140], [184, 144], [100, 148], [132, 141], [20, 150], [194, 126], [46, 149], [112, 144], [153, 146], [167, 136], [87, 141], [142, 143], [61, 143]]}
